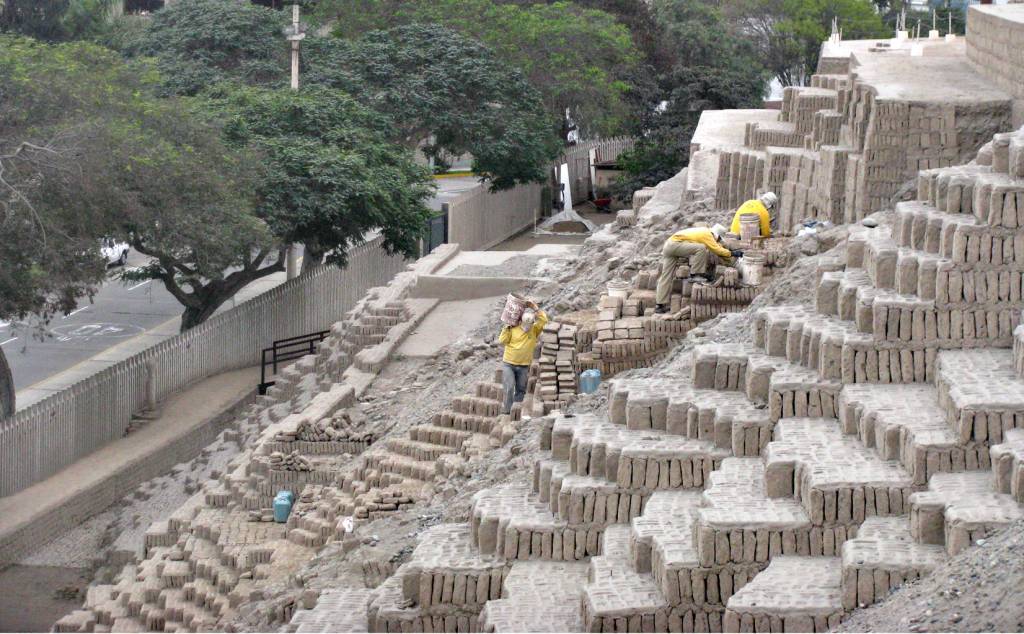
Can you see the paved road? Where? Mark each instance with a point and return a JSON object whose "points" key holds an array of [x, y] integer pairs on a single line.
{"points": [[118, 312]]}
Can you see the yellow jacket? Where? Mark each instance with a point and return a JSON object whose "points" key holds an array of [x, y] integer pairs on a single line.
{"points": [[753, 206], [519, 343], [702, 235]]}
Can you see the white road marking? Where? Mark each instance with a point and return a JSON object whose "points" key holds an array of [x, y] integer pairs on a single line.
{"points": [[3, 343], [74, 312], [132, 288]]}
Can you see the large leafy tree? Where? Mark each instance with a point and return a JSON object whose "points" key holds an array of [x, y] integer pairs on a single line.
{"points": [[198, 44], [56, 20], [578, 58], [714, 70], [443, 93], [438, 90], [789, 33], [329, 176]]}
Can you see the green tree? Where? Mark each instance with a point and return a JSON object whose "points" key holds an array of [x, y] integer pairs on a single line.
{"points": [[789, 33], [576, 57], [330, 175], [198, 44], [56, 20], [714, 70], [443, 93]]}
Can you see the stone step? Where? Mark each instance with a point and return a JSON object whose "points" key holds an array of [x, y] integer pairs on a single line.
{"points": [[445, 571], [797, 391], [960, 508], [336, 610], [662, 542], [838, 480], [399, 465], [584, 500], [616, 597], [538, 596], [477, 406], [389, 611], [728, 420], [981, 393], [464, 422], [491, 390], [950, 189], [906, 423], [721, 366], [740, 524], [793, 594], [1008, 464], [510, 521], [882, 557], [634, 460], [417, 450], [439, 435]]}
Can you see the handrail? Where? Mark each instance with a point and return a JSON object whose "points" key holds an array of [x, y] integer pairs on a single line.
{"points": [[287, 350]]}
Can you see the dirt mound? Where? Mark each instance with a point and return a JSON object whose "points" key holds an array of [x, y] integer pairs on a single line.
{"points": [[979, 590]]}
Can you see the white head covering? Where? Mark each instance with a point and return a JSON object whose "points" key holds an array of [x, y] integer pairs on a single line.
{"points": [[718, 231], [527, 320], [769, 199]]}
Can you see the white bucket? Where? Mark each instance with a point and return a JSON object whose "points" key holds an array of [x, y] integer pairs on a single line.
{"points": [[618, 288], [515, 306], [753, 268], [750, 227]]}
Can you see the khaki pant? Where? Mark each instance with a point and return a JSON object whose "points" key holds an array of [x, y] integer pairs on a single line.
{"points": [[698, 256]]}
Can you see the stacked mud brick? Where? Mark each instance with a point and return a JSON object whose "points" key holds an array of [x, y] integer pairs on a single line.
{"points": [[623, 338], [776, 486], [871, 118], [557, 368]]}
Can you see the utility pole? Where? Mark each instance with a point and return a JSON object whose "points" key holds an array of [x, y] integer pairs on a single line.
{"points": [[294, 33]]}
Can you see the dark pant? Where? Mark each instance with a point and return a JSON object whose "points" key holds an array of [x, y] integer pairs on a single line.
{"points": [[513, 379]]}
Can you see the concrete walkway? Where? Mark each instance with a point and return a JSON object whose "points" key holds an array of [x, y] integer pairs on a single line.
{"points": [[188, 422], [445, 324]]}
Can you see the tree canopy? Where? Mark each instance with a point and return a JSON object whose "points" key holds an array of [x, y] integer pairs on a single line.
{"points": [[444, 93], [329, 174], [198, 44], [576, 57], [713, 70]]}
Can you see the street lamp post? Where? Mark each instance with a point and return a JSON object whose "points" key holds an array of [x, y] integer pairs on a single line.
{"points": [[294, 33]]}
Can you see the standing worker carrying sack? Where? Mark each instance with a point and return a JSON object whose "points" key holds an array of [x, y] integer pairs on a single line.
{"points": [[702, 249], [519, 341]]}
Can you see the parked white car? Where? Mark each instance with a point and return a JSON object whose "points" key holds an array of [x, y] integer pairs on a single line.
{"points": [[114, 253]]}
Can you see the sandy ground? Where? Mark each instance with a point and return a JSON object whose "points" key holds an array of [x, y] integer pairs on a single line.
{"points": [[36, 596], [979, 590]]}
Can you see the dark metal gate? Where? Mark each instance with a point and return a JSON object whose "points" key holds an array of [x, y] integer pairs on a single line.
{"points": [[436, 231]]}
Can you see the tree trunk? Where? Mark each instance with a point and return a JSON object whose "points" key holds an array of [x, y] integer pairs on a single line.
{"points": [[192, 317], [311, 257], [6, 388]]}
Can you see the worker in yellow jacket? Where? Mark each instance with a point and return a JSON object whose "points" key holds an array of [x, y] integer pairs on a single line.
{"points": [[763, 208], [702, 249], [519, 341]]}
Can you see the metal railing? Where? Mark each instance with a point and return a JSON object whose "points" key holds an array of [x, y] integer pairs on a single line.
{"points": [[284, 350]]}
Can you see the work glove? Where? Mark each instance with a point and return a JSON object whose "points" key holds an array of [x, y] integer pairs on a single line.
{"points": [[736, 253]]}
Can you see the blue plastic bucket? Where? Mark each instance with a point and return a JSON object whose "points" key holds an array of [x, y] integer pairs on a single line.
{"points": [[589, 381]]}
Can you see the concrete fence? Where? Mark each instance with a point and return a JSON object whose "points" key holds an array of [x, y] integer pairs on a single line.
{"points": [[578, 160], [479, 219], [53, 433]]}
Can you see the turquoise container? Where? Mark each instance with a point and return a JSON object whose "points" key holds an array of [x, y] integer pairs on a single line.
{"points": [[283, 506], [589, 381]]}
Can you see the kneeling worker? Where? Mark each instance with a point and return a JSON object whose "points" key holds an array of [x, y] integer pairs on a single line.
{"points": [[702, 249], [763, 208], [519, 341]]}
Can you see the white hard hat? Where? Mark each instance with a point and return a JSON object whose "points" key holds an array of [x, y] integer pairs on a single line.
{"points": [[769, 199], [718, 231]]}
